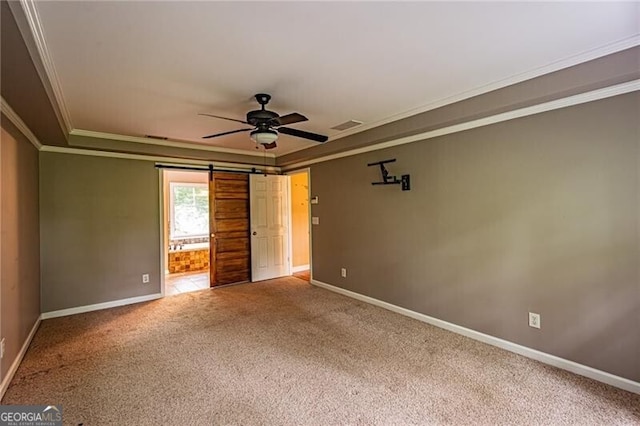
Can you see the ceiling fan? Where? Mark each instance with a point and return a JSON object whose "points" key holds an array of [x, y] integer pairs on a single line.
{"points": [[267, 124]]}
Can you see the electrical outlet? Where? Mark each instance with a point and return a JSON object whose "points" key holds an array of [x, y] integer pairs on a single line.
{"points": [[315, 220], [534, 320], [145, 278], [2, 348], [343, 272]]}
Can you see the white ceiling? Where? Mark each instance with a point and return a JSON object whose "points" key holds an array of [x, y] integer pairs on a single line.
{"points": [[137, 68]]}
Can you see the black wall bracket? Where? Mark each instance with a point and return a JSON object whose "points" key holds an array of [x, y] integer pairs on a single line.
{"points": [[387, 179]]}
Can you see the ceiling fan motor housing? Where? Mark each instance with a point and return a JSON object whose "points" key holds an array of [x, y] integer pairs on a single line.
{"points": [[262, 116]]}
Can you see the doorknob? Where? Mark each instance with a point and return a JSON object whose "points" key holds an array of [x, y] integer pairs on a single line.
{"points": [[254, 233]]}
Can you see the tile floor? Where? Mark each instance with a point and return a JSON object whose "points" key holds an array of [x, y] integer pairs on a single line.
{"points": [[194, 281], [186, 282]]}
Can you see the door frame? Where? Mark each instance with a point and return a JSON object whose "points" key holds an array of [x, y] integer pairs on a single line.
{"points": [[306, 170], [164, 249]]}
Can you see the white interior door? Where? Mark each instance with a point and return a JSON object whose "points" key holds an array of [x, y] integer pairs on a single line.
{"points": [[269, 206]]}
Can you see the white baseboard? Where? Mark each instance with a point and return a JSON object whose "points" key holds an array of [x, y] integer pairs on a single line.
{"points": [[574, 367], [16, 362], [300, 268], [99, 306]]}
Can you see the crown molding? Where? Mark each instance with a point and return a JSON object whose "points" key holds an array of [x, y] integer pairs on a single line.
{"points": [[589, 55], [53, 88], [17, 121], [157, 159], [30, 10], [582, 98], [167, 143]]}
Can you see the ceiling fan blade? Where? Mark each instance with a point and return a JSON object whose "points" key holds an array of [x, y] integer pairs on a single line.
{"points": [[294, 117], [226, 133], [302, 134], [270, 145], [224, 118]]}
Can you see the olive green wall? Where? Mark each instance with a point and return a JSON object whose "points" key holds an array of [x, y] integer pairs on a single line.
{"points": [[538, 214], [19, 242], [100, 229]]}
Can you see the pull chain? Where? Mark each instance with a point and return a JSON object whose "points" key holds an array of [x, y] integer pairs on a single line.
{"points": [[265, 161]]}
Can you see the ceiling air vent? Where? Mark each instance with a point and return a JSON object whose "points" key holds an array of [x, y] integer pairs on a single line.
{"points": [[160, 138], [347, 125]]}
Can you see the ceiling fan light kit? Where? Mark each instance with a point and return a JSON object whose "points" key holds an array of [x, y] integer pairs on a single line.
{"points": [[264, 136], [268, 124]]}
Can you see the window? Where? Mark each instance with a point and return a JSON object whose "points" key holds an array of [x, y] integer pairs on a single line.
{"points": [[189, 210]]}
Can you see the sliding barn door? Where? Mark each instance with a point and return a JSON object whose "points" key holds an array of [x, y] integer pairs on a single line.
{"points": [[229, 225], [269, 226]]}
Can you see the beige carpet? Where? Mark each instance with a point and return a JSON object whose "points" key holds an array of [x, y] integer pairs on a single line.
{"points": [[285, 352]]}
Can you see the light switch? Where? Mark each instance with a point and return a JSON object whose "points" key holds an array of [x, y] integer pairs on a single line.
{"points": [[314, 200], [315, 220]]}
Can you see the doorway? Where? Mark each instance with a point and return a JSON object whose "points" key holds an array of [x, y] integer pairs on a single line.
{"points": [[300, 230], [206, 228], [186, 231]]}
